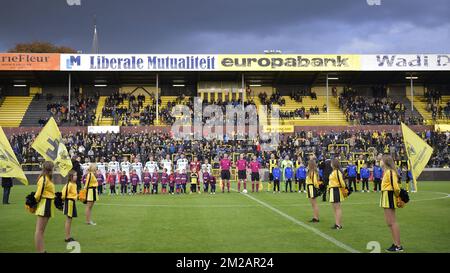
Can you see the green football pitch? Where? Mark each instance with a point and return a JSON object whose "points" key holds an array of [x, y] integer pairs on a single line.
{"points": [[233, 222]]}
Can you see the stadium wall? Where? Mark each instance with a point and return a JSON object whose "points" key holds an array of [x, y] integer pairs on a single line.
{"points": [[163, 128]]}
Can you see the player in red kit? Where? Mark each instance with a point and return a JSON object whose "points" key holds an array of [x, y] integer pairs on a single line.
{"points": [[112, 182], [195, 168], [164, 181], [225, 165], [241, 167], [147, 177], [171, 182], [212, 183], [254, 168], [155, 179]]}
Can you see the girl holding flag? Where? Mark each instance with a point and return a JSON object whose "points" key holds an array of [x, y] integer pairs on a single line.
{"points": [[312, 185], [91, 192], [70, 195], [390, 191], [336, 187], [45, 193]]}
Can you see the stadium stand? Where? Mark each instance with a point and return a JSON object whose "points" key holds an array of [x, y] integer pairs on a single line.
{"points": [[333, 115], [121, 109]]}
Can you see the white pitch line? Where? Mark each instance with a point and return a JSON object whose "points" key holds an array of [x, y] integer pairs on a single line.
{"points": [[176, 206], [300, 223], [250, 206]]}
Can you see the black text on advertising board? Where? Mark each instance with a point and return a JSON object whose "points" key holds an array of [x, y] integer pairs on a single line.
{"points": [[299, 61]]}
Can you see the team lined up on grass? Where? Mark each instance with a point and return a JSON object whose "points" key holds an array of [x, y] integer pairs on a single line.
{"points": [[182, 176]]}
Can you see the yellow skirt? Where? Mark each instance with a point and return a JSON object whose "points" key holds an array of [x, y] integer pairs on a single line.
{"points": [[92, 195], [310, 191], [388, 200], [335, 195], [70, 208], [45, 208]]}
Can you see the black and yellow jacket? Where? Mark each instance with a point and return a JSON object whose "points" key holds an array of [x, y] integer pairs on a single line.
{"points": [[386, 184], [49, 188], [71, 190], [313, 179], [91, 181], [336, 180]]}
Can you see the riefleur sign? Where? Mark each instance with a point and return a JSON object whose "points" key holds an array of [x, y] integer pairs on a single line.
{"points": [[131, 62], [412, 62], [29, 61]]}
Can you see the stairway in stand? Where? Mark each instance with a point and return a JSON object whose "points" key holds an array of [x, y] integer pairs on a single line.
{"points": [[13, 110], [420, 103]]}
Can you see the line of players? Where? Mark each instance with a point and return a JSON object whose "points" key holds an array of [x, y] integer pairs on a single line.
{"points": [[126, 177], [355, 172], [132, 178]]}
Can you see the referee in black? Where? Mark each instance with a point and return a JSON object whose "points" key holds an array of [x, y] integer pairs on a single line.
{"points": [[325, 166]]}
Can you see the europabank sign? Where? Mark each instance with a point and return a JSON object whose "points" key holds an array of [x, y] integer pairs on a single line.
{"points": [[289, 62], [412, 62], [139, 62], [29, 61]]}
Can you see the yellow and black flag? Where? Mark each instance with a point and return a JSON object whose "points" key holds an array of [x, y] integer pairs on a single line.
{"points": [[49, 144], [418, 152], [9, 166]]}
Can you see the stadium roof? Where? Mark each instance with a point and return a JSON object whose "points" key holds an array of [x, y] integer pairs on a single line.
{"points": [[191, 78]]}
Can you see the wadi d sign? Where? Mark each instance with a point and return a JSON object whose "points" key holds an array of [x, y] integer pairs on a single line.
{"points": [[416, 62]]}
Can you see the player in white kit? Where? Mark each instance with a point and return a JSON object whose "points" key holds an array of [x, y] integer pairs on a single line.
{"points": [[152, 165], [137, 166], [125, 166], [101, 166], [182, 163], [167, 164], [206, 167], [113, 165], [85, 165]]}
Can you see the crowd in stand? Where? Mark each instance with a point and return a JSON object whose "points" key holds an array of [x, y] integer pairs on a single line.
{"points": [[369, 111], [275, 98], [358, 110], [302, 144], [123, 114], [82, 111]]}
